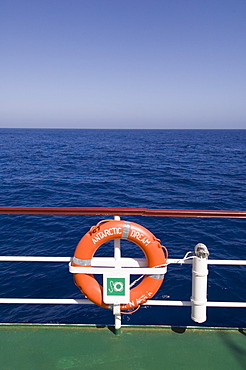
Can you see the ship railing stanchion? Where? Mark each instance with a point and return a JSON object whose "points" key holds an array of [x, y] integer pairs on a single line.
{"points": [[199, 283], [116, 307]]}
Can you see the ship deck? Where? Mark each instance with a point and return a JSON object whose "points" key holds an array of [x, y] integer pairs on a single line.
{"points": [[90, 347]]}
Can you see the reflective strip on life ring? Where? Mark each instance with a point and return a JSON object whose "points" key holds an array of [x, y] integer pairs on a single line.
{"points": [[111, 230]]}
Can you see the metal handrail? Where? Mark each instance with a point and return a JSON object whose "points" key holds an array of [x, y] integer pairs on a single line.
{"points": [[109, 262], [99, 261], [121, 212]]}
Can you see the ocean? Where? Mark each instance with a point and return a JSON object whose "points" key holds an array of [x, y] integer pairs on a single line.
{"points": [[167, 169]]}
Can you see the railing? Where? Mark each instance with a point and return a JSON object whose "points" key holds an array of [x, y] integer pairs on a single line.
{"points": [[121, 212], [101, 265]]}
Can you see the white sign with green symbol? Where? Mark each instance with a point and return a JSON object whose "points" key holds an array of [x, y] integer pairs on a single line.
{"points": [[116, 288]]}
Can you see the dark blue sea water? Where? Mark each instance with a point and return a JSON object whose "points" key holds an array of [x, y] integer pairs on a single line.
{"points": [[182, 169]]}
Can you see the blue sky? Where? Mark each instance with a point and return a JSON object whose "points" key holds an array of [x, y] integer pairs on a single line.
{"points": [[123, 64]]}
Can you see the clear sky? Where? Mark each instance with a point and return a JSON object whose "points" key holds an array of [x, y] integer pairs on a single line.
{"points": [[123, 63]]}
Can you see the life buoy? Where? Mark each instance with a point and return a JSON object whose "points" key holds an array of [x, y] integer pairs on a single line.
{"points": [[109, 230]]}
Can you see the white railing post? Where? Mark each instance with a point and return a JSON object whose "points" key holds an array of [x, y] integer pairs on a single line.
{"points": [[116, 307], [199, 283]]}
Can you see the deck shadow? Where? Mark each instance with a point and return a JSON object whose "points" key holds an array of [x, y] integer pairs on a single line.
{"points": [[179, 329], [242, 331], [109, 327]]}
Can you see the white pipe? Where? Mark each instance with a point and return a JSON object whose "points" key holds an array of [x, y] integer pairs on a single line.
{"points": [[158, 302], [130, 270], [117, 251], [34, 259], [110, 261], [153, 302], [117, 316], [199, 284], [44, 301], [117, 265], [227, 262], [226, 304]]}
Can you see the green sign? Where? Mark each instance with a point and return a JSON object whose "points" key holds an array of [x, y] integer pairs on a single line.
{"points": [[116, 286]]}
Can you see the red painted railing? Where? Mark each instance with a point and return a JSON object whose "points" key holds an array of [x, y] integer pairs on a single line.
{"points": [[121, 212]]}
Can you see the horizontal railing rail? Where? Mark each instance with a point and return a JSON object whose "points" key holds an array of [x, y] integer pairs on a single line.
{"points": [[109, 262], [153, 302], [121, 212]]}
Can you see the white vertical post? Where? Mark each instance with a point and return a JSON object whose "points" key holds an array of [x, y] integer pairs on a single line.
{"points": [[199, 284], [116, 307], [117, 318], [117, 252]]}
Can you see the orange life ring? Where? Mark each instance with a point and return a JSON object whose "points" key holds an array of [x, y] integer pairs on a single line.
{"points": [[109, 230]]}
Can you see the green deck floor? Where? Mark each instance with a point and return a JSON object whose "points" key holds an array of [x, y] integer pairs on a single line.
{"points": [[67, 347]]}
